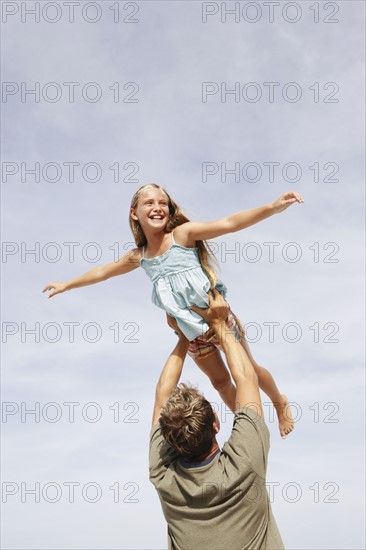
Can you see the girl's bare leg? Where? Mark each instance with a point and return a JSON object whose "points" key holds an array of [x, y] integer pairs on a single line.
{"points": [[268, 385], [214, 367]]}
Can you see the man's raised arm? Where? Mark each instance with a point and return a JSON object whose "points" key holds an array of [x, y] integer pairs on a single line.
{"points": [[241, 368], [171, 372]]}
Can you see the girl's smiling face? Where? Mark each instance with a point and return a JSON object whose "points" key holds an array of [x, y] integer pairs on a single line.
{"points": [[152, 210]]}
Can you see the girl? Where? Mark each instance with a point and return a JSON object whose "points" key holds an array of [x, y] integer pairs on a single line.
{"points": [[172, 251]]}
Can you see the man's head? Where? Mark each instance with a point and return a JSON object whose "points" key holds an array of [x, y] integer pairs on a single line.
{"points": [[188, 422]]}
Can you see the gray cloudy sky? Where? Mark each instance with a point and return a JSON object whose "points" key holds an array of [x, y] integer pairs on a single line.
{"points": [[162, 128]]}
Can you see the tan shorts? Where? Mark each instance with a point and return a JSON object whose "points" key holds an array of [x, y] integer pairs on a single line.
{"points": [[205, 345]]}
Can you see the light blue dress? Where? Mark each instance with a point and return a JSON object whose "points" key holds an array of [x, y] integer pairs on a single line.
{"points": [[179, 281]]}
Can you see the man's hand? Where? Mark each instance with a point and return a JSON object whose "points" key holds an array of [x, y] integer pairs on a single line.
{"points": [[217, 311], [172, 322]]}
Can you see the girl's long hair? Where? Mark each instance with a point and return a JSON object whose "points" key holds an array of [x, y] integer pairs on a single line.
{"points": [[176, 218]]}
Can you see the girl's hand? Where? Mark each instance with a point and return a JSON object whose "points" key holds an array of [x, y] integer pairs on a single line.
{"points": [[58, 288], [286, 200]]}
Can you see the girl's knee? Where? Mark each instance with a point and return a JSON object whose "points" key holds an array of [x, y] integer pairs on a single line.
{"points": [[257, 367], [221, 383]]}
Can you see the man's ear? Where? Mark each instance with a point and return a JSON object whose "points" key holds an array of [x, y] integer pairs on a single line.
{"points": [[216, 424]]}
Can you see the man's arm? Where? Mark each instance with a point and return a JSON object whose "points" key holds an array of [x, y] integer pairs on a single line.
{"points": [[241, 368], [171, 372]]}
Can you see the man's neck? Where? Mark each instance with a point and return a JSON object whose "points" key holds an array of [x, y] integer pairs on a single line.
{"points": [[214, 448]]}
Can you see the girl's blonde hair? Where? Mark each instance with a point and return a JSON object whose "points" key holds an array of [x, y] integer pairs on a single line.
{"points": [[176, 218]]}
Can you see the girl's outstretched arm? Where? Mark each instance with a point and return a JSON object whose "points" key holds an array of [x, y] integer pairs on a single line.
{"points": [[128, 262], [194, 231]]}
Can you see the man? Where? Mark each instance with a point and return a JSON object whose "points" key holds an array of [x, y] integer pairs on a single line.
{"points": [[212, 499]]}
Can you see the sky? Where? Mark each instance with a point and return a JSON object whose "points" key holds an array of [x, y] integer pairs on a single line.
{"points": [[227, 112]]}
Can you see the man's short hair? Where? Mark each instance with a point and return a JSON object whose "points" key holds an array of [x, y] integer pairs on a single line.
{"points": [[186, 422]]}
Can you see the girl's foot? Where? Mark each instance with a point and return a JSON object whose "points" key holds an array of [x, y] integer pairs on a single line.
{"points": [[285, 418]]}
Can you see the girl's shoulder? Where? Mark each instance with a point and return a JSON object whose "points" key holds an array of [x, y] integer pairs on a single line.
{"points": [[181, 236], [133, 256], [138, 252]]}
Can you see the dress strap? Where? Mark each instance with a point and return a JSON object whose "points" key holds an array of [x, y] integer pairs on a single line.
{"points": [[173, 237]]}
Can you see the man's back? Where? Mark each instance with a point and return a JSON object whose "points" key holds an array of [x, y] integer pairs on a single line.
{"points": [[221, 504]]}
